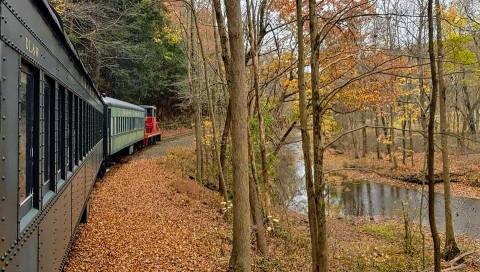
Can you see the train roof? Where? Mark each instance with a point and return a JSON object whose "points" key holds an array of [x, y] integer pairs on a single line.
{"points": [[110, 101], [148, 107], [57, 24]]}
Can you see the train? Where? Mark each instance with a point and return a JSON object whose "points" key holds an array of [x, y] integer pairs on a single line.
{"points": [[57, 132]]}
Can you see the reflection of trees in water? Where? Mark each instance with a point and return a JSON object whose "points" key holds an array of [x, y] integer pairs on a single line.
{"points": [[370, 202], [364, 198]]}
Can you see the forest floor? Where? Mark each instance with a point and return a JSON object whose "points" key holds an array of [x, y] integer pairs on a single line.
{"points": [[147, 215], [465, 170]]}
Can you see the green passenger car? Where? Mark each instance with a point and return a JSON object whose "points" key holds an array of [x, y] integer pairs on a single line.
{"points": [[126, 125]]}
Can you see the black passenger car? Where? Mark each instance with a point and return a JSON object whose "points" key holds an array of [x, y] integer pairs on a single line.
{"points": [[51, 138]]}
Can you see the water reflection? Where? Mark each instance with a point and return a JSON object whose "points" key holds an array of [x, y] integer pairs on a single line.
{"points": [[376, 200]]}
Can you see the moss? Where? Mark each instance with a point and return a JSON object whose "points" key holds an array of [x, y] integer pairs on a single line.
{"points": [[381, 230]]}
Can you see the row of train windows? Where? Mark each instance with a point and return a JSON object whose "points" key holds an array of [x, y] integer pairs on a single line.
{"points": [[125, 124], [56, 130]]}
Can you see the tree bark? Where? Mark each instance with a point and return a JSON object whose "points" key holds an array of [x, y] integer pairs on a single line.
{"points": [[240, 256], [306, 142], [322, 250], [451, 249], [431, 142]]}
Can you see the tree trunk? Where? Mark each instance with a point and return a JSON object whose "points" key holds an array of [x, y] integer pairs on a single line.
{"points": [[404, 142], [222, 187], [224, 142], [261, 127], [306, 142], [410, 133], [451, 249], [423, 96], [392, 138], [377, 135], [240, 256], [387, 137], [364, 136], [322, 250], [255, 206], [431, 142], [228, 74], [197, 114], [354, 139], [210, 105]]}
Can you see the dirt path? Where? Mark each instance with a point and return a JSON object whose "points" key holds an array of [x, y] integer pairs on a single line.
{"points": [[160, 149]]}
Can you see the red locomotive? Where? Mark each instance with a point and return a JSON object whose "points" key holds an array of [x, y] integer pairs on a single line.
{"points": [[152, 130]]}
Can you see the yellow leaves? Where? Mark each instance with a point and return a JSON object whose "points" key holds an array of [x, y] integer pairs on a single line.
{"points": [[171, 35]]}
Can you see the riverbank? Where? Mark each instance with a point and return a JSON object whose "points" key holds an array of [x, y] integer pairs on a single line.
{"points": [[355, 243], [465, 171]]}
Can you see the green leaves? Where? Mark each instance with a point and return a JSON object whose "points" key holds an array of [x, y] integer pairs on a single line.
{"points": [[129, 48]]}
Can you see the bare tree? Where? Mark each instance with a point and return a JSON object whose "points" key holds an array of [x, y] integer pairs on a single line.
{"points": [[431, 141], [306, 142], [451, 248], [321, 231]]}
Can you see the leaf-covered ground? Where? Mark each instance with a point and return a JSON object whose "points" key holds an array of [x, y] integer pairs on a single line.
{"points": [[145, 219], [147, 215]]}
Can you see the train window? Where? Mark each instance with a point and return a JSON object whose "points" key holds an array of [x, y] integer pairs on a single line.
{"points": [[63, 133], [90, 127], [58, 146], [85, 128], [84, 125], [69, 130], [89, 130], [49, 135], [77, 129], [80, 129], [28, 110]]}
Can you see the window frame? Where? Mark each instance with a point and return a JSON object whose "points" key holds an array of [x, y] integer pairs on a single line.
{"points": [[50, 135], [30, 204]]}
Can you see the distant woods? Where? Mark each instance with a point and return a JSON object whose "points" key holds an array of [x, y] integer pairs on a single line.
{"points": [[130, 49]]}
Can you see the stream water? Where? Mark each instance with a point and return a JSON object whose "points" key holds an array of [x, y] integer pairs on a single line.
{"points": [[375, 200]]}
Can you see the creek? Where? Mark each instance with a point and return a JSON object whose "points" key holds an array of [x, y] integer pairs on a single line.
{"points": [[367, 198]]}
